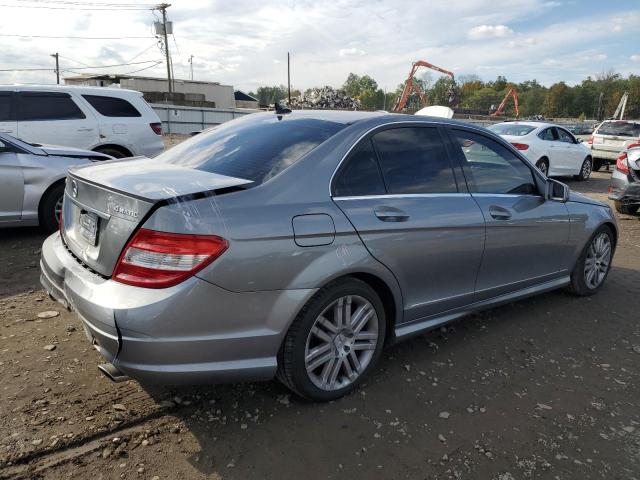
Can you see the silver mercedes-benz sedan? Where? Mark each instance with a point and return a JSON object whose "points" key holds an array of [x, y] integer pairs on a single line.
{"points": [[32, 181], [298, 244]]}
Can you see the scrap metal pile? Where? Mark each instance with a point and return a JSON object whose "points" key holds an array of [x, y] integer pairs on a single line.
{"points": [[325, 97]]}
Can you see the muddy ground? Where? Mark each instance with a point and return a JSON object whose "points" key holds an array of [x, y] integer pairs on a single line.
{"points": [[544, 388]]}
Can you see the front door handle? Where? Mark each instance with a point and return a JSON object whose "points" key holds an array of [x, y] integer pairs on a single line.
{"points": [[390, 214], [499, 213]]}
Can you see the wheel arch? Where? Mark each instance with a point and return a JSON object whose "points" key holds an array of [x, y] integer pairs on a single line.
{"points": [[54, 184], [122, 149]]}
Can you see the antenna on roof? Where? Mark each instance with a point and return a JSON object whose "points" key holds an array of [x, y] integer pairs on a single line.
{"points": [[280, 110]]}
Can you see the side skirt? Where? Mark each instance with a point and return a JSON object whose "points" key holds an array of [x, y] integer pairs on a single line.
{"points": [[420, 326]]}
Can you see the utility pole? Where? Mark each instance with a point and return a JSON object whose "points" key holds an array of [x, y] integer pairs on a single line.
{"points": [[289, 78], [191, 64], [55, 55], [163, 9]]}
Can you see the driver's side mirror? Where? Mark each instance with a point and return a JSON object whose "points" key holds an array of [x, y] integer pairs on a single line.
{"points": [[556, 191]]}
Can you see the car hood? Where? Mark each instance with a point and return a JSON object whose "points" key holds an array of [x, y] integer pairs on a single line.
{"points": [[73, 152], [580, 198]]}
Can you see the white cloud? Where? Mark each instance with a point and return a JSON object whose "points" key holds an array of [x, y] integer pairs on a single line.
{"points": [[635, 58], [489, 31], [351, 52]]}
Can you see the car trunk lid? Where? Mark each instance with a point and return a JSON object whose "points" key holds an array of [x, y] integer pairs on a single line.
{"points": [[105, 203]]}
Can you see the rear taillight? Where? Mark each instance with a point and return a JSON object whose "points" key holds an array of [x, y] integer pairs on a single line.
{"points": [[156, 127], [520, 146], [155, 259], [621, 163], [590, 141]]}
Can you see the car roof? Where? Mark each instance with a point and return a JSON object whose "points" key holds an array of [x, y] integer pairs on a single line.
{"points": [[80, 89], [532, 124]]}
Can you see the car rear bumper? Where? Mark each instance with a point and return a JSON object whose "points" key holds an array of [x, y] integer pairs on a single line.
{"points": [[622, 190], [195, 332], [610, 155]]}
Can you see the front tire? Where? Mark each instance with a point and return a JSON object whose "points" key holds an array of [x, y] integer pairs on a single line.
{"points": [[543, 166], [585, 170], [51, 208], [626, 209], [334, 342], [594, 263]]}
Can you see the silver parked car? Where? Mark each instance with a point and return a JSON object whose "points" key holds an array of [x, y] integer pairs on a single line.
{"points": [[32, 181], [298, 244]]}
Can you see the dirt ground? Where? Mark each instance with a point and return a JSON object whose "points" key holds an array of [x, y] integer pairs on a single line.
{"points": [[544, 388]]}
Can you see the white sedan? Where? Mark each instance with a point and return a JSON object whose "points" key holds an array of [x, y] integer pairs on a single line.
{"points": [[552, 148]]}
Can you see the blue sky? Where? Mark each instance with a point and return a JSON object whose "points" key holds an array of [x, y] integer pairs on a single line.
{"points": [[244, 42]]}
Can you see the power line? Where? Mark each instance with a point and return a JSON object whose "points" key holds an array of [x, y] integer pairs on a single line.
{"points": [[77, 2], [79, 68], [79, 7], [69, 37]]}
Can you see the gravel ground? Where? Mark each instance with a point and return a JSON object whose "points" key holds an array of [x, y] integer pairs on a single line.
{"points": [[544, 388]]}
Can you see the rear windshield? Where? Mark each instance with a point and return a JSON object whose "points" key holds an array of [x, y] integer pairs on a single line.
{"points": [[620, 129], [511, 129], [256, 147]]}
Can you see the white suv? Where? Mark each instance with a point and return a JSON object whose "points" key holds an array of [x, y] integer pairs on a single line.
{"points": [[610, 138], [108, 120]]}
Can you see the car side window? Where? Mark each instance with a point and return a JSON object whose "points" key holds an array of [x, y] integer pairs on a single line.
{"points": [[47, 106], [361, 174], [548, 134], [414, 160], [5, 106], [112, 106], [564, 136], [491, 168]]}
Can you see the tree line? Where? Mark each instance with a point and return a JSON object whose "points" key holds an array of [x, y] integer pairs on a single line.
{"points": [[593, 98]]}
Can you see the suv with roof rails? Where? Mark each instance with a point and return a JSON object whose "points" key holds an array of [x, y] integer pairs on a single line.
{"points": [[112, 121]]}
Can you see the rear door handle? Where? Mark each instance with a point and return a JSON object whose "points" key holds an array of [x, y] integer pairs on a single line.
{"points": [[499, 213], [390, 214]]}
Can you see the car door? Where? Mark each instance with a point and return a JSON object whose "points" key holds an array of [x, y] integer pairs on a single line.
{"points": [[527, 235], [8, 123], [54, 118], [399, 190], [552, 149], [11, 184], [573, 155]]}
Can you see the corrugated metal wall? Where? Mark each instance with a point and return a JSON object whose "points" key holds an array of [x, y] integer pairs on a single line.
{"points": [[184, 120]]}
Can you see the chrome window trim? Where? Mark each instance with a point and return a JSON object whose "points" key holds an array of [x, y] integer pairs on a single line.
{"points": [[404, 195], [430, 123]]}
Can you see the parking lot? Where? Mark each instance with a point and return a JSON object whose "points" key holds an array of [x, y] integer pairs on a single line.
{"points": [[543, 388]]}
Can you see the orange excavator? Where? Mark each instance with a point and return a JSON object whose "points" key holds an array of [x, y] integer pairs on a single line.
{"points": [[511, 93], [410, 87]]}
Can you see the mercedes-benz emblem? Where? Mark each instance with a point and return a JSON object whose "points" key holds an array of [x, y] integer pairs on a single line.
{"points": [[74, 189]]}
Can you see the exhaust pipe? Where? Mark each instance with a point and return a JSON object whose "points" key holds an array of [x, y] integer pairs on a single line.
{"points": [[112, 373]]}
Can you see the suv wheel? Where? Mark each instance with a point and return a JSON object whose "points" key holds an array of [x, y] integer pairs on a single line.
{"points": [[597, 164], [594, 263], [114, 152], [334, 342], [626, 209]]}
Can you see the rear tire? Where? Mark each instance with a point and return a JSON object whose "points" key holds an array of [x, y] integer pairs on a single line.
{"points": [[585, 170], [323, 358], [597, 164], [543, 166], [593, 265], [50, 208], [626, 209]]}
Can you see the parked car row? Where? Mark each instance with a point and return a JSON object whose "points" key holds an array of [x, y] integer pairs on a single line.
{"points": [[297, 245], [116, 122]]}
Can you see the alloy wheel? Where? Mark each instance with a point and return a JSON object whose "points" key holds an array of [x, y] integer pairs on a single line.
{"points": [[586, 169], [57, 210], [341, 342], [598, 260], [542, 166]]}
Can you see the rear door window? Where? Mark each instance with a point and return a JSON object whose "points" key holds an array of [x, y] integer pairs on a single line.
{"points": [[620, 129], [564, 136], [112, 106], [414, 160], [47, 106], [491, 168], [549, 134], [5, 107], [361, 175]]}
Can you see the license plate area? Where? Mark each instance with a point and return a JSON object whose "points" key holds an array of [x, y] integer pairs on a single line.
{"points": [[88, 227]]}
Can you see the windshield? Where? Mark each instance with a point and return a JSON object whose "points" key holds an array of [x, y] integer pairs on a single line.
{"points": [[256, 147], [620, 129], [512, 129]]}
